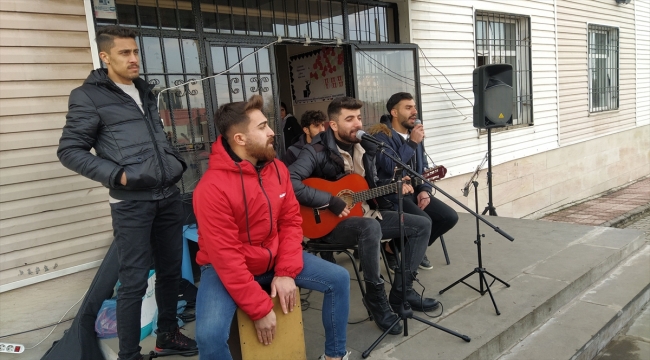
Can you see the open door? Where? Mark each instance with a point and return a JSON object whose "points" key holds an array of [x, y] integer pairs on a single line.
{"points": [[380, 71]]}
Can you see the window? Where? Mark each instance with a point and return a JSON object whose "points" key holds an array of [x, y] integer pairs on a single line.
{"points": [[316, 19], [603, 68], [184, 40], [382, 72], [505, 39]]}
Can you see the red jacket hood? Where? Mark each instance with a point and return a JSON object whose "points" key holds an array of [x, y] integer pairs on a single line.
{"points": [[248, 224]]}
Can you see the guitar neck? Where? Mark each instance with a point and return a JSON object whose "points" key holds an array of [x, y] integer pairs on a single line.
{"points": [[374, 193]]}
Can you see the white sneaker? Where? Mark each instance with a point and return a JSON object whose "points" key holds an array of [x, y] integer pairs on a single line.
{"points": [[345, 357]]}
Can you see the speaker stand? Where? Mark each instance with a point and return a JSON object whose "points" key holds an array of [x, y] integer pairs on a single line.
{"points": [[489, 209]]}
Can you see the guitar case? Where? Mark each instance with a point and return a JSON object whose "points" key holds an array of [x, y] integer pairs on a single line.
{"points": [[80, 341]]}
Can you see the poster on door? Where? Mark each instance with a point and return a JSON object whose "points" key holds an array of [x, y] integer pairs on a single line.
{"points": [[317, 75], [105, 9]]}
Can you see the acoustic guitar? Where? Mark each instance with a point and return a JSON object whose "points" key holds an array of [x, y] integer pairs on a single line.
{"points": [[353, 189]]}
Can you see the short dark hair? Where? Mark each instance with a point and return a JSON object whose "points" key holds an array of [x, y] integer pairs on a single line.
{"points": [[343, 102], [396, 98], [312, 117], [106, 35], [283, 106], [236, 114]]}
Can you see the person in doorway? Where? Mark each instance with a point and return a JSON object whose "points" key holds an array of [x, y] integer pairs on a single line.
{"points": [[333, 154], [115, 113], [250, 236], [313, 123], [399, 132], [290, 126]]}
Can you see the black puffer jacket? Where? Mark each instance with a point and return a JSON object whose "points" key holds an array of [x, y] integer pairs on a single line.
{"points": [[322, 159], [102, 116]]}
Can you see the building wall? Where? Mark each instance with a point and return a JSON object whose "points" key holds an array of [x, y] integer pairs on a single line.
{"points": [[51, 220], [533, 175], [642, 17], [535, 185], [576, 122], [445, 32]]}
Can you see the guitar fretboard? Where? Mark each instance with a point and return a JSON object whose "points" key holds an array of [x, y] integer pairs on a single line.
{"points": [[374, 193]]}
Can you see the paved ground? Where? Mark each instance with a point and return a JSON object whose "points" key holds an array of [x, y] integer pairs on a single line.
{"points": [[609, 209]]}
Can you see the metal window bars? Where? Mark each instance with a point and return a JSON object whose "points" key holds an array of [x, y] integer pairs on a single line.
{"points": [[178, 38], [505, 38], [603, 53]]}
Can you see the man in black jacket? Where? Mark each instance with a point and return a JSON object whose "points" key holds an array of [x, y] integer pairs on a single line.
{"points": [[333, 154], [406, 138], [290, 126], [115, 113], [313, 123]]}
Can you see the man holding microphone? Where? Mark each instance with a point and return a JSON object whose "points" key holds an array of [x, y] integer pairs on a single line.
{"points": [[404, 133]]}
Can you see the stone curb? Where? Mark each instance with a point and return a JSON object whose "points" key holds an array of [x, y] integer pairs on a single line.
{"points": [[628, 216]]}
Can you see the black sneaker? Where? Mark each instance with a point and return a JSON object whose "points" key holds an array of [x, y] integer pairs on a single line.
{"points": [[169, 343], [392, 262], [425, 264]]}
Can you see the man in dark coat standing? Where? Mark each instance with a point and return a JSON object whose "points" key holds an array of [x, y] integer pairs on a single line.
{"points": [[115, 113]]}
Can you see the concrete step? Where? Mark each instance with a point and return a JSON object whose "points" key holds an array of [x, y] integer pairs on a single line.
{"points": [[547, 266], [584, 326]]}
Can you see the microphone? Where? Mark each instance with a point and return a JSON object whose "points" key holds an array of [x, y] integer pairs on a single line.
{"points": [[418, 122], [362, 135]]}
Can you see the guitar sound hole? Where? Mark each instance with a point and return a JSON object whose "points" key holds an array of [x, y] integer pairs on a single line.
{"points": [[346, 195]]}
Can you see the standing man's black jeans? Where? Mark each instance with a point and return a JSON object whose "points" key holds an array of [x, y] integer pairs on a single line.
{"points": [[146, 232], [442, 216]]}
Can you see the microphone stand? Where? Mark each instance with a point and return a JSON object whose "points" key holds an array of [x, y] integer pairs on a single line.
{"points": [[480, 270], [405, 311]]}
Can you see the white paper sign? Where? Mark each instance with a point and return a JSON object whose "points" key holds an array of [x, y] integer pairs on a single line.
{"points": [[105, 9], [318, 75]]}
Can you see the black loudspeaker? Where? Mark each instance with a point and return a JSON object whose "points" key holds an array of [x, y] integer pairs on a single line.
{"points": [[493, 97]]}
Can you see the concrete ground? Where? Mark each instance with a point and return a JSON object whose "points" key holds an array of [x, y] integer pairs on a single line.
{"points": [[633, 342], [549, 264]]}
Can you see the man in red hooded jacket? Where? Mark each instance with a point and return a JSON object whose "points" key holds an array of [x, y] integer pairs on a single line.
{"points": [[250, 236]]}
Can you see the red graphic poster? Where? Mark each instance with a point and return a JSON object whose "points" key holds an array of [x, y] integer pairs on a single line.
{"points": [[318, 75]]}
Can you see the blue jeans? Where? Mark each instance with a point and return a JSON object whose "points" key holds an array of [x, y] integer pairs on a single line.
{"points": [[215, 308]]}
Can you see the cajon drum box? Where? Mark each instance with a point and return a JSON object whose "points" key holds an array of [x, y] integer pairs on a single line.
{"points": [[289, 342]]}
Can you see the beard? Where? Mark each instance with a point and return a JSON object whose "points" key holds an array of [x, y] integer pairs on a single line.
{"points": [[348, 137], [407, 125], [261, 152]]}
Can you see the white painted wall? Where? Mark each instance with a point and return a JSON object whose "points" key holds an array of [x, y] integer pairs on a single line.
{"points": [[445, 32]]}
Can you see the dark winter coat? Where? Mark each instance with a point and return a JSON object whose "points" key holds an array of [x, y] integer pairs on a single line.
{"points": [[291, 130], [103, 117], [408, 151], [292, 152], [322, 159]]}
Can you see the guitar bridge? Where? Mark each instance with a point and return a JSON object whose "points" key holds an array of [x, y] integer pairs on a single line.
{"points": [[317, 216]]}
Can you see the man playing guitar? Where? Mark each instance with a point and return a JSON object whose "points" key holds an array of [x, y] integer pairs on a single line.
{"points": [[333, 154], [401, 133]]}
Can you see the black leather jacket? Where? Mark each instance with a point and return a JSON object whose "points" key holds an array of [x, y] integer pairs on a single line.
{"points": [[102, 116], [322, 159]]}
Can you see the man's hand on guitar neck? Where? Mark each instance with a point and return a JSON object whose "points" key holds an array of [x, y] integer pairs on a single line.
{"points": [[406, 186]]}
